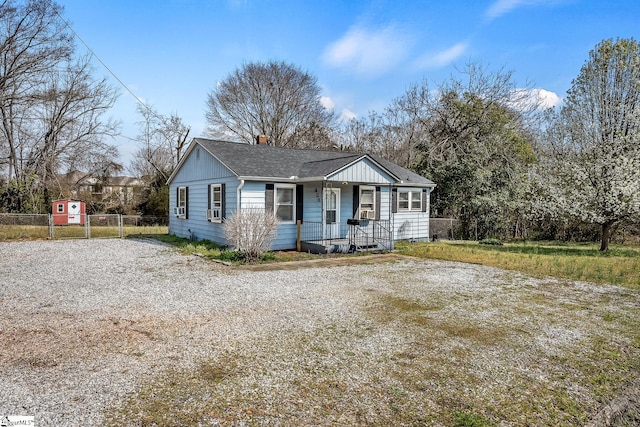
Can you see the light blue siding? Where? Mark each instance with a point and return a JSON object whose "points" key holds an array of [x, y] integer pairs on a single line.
{"points": [[312, 205], [286, 237], [200, 166], [346, 203], [412, 225], [385, 203], [252, 195], [197, 226], [196, 173], [200, 169], [362, 171]]}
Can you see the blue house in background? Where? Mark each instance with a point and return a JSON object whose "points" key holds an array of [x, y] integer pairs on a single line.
{"points": [[325, 201]]}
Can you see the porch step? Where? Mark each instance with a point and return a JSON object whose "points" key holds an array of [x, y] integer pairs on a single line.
{"points": [[366, 247], [341, 246]]}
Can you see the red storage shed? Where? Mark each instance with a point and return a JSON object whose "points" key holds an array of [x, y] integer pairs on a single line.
{"points": [[68, 211]]}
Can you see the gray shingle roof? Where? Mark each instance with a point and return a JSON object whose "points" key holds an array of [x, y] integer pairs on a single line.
{"points": [[261, 160]]}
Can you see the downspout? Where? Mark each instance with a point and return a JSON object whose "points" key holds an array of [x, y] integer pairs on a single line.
{"points": [[392, 218], [322, 209], [239, 195]]}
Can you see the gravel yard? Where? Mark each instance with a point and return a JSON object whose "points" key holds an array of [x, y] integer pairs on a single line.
{"points": [[130, 332]]}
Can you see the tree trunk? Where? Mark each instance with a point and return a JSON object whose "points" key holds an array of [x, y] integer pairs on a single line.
{"points": [[607, 228]]}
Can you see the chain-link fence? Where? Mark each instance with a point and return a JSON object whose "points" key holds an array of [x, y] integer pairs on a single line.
{"points": [[443, 228], [24, 226], [43, 226]]}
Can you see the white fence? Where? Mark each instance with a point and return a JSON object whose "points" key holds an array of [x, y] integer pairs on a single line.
{"points": [[56, 226]]}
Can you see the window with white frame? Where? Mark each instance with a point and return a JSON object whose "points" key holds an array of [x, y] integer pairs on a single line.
{"points": [[181, 203], [367, 202], [214, 213], [60, 208], [410, 200], [285, 202]]}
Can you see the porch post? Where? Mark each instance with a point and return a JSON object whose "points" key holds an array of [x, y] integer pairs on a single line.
{"points": [[391, 218], [298, 240], [323, 217]]}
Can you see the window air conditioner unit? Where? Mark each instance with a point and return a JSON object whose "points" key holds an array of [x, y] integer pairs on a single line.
{"points": [[367, 214], [213, 214], [179, 210]]}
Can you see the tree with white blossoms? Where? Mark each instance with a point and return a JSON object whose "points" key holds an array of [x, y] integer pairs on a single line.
{"points": [[594, 169]]}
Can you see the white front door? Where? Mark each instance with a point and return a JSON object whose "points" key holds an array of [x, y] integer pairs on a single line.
{"points": [[331, 213], [73, 212]]}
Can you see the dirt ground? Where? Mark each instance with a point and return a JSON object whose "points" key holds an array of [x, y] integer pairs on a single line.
{"points": [[121, 332]]}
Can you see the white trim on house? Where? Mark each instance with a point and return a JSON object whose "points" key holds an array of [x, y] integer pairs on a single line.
{"points": [[281, 179], [331, 223], [214, 213], [369, 211], [277, 204], [181, 202], [410, 200]]}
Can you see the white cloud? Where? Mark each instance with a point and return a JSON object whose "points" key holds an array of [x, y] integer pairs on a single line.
{"points": [[548, 99], [542, 98], [501, 7], [442, 58], [327, 102], [348, 114], [368, 52]]}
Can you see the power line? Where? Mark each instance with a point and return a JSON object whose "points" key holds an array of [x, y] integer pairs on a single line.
{"points": [[140, 101], [154, 113]]}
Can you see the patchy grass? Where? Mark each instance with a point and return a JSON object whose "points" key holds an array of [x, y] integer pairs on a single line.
{"points": [[544, 355], [618, 266], [211, 250], [206, 249], [24, 232]]}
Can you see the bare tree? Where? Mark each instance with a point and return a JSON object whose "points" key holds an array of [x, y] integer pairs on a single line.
{"points": [[273, 99], [162, 142], [354, 135], [33, 41], [52, 110], [251, 231], [68, 128]]}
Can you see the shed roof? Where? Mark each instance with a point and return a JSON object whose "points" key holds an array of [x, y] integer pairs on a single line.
{"points": [[267, 161]]}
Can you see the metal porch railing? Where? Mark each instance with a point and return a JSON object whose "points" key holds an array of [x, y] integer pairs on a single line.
{"points": [[353, 235]]}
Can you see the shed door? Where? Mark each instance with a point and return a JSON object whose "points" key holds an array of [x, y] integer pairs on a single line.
{"points": [[73, 212]]}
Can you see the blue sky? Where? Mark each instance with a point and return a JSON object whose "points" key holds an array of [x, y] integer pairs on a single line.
{"points": [[171, 53]]}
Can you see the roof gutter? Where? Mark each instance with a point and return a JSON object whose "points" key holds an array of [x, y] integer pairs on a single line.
{"points": [[324, 178], [414, 184], [282, 178]]}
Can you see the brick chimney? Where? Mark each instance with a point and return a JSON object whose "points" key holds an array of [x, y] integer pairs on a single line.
{"points": [[261, 139]]}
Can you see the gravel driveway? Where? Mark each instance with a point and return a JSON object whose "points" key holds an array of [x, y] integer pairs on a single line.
{"points": [[84, 323]]}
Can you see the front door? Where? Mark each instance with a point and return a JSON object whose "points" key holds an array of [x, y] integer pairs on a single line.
{"points": [[73, 211], [331, 214]]}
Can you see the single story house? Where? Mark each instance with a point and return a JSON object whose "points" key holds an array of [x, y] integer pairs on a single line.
{"points": [[325, 201]]}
